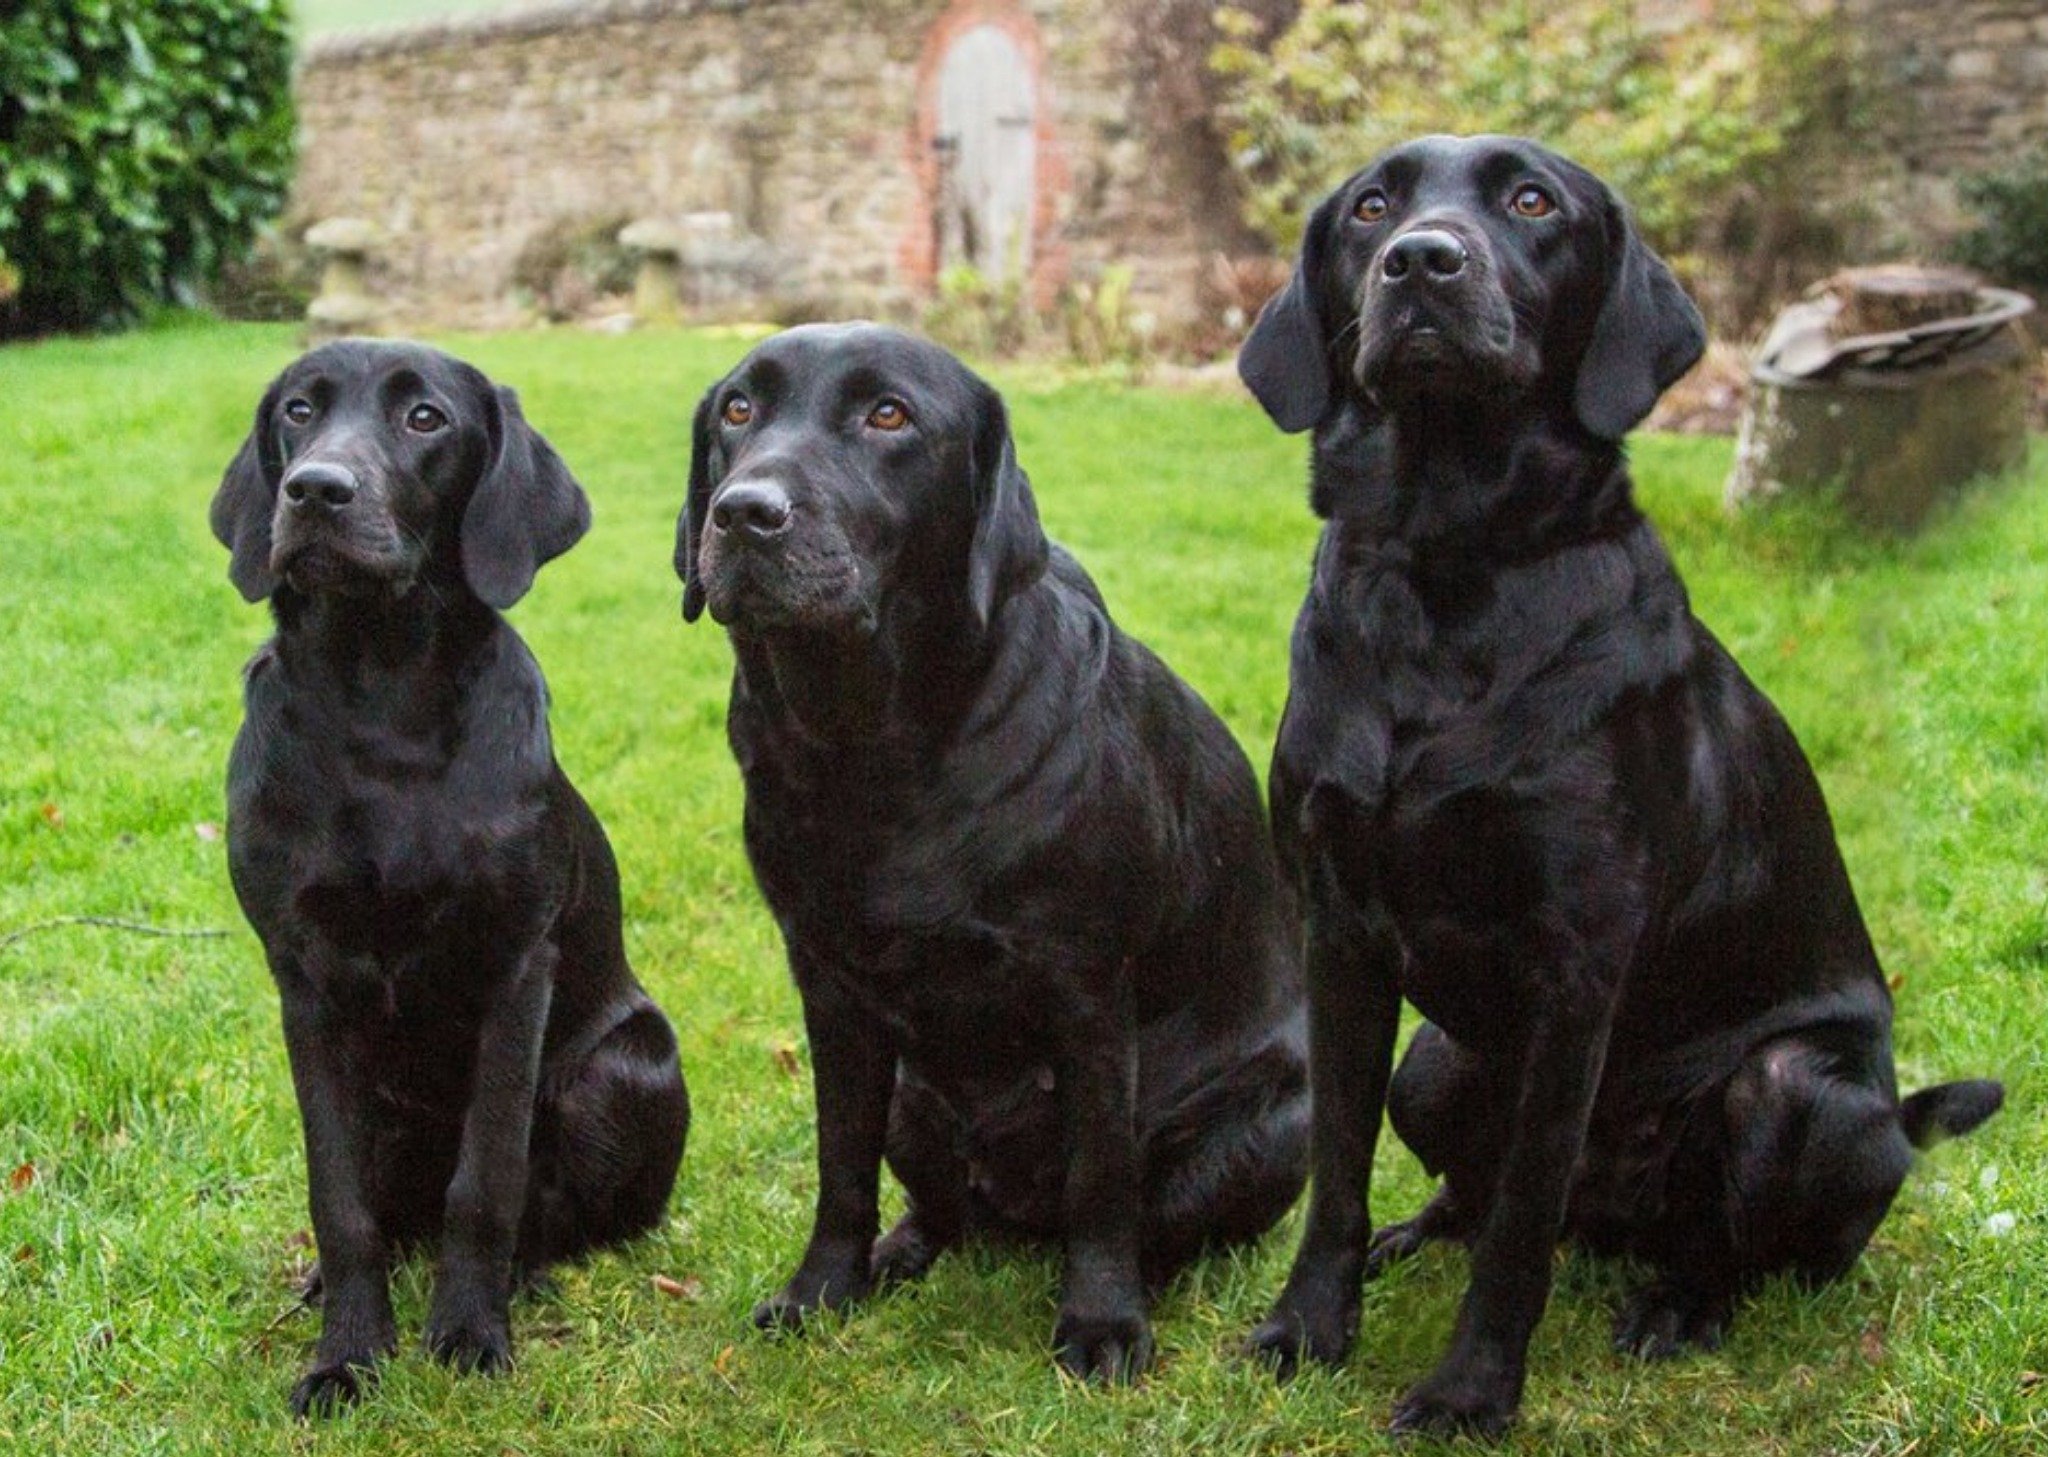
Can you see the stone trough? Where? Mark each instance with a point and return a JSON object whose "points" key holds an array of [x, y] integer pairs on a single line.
{"points": [[1894, 385]]}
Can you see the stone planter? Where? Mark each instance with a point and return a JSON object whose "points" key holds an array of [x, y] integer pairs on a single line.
{"points": [[1895, 420]]}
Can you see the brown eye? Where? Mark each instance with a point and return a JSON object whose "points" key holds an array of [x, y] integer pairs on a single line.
{"points": [[889, 416], [1371, 207], [1533, 202], [738, 410], [298, 411], [424, 420]]}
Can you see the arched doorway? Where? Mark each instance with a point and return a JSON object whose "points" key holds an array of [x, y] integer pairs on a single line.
{"points": [[986, 146]]}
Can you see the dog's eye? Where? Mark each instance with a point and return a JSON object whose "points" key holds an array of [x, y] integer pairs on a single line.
{"points": [[1371, 207], [889, 416], [1533, 202], [298, 411], [424, 420], [738, 410]]}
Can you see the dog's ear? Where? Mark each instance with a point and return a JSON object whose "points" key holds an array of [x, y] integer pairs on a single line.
{"points": [[1285, 361], [696, 506], [246, 500], [1009, 550], [1647, 334], [526, 509]]}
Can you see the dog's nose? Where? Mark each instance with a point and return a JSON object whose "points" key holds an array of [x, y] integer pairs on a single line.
{"points": [[320, 483], [1437, 253], [757, 508]]}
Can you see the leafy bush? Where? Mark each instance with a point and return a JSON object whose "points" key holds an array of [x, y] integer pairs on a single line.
{"points": [[141, 143], [1713, 131], [569, 264], [2010, 241], [978, 315]]}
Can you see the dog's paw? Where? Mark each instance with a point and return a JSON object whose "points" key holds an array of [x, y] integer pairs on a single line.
{"points": [[1112, 1349], [332, 1388], [1393, 1243], [905, 1253], [1664, 1320], [809, 1292], [475, 1343], [1457, 1405], [1297, 1333]]}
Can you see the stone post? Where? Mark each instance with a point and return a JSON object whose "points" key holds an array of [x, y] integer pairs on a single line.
{"points": [[658, 287], [344, 305]]}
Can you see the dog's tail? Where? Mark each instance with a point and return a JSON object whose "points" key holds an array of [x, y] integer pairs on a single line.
{"points": [[1949, 1110]]}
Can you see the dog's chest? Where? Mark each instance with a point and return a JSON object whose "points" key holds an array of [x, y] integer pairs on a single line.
{"points": [[379, 852]]}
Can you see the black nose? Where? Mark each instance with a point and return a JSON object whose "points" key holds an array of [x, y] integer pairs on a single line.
{"points": [[320, 483], [758, 508], [1438, 253]]}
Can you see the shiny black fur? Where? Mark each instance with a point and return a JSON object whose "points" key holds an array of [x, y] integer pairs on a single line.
{"points": [[473, 1059], [1049, 967], [1521, 785]]}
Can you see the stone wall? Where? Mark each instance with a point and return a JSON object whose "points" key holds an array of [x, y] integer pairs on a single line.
{"points": [[809, 124], [805, 121], [1952, 88]]}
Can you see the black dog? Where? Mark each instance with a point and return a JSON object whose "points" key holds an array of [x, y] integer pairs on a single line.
{"points": [[1520, 784], [1048, 963], [472, 1055]]}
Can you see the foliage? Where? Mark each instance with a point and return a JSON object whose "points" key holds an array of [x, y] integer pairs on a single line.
{"points": [[141, 144], [1099, 323], [275, 282], [2010, 241], [568, 265], [1709, 130], [979, 315]]}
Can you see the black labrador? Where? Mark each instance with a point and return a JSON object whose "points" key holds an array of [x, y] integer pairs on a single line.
{"points": [[472, 1056], [1048, 964], [1521, 785]]}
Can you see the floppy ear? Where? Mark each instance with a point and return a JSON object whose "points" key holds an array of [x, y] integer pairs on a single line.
{"points": [[526, 509], [696, 505], [1009, 549], [1285, 361], [244, 503], [1647, 334]]}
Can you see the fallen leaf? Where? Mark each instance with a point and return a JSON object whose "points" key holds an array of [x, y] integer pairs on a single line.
{"points": [[22, 1178], [722, 1362], [26, 1255], [52, 816], [207, 830], [1871, 1343], [786, 1058], [690, 1288], [1897, 982]]}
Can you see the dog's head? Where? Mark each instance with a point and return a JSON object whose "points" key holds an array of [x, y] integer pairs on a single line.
{"points": [[1478, 269], [372, 466], [839, 464]]}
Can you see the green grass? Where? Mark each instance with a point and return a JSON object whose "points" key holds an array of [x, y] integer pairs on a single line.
{"points": [[146, 1270], [319, 17]]}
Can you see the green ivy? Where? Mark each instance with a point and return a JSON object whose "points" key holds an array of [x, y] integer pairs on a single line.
{"points": [[141, 144], [2010, 241], [1701, 128]]}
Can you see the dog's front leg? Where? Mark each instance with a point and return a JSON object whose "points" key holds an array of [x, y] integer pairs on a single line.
{"points": [[469, 1323], [1477, 1386], [356, 1328], [853, 1073], [1354, 1012], [1102, 1332]]}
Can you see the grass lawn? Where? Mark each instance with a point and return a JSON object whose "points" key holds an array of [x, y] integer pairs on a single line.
{"points": [[318, 17], [154, 1223]]}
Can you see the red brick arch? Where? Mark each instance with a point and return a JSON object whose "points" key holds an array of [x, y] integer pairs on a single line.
{"points": [[918, 255]]}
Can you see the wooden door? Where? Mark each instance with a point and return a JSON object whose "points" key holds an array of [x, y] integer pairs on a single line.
{"points": [[988, 154]]}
